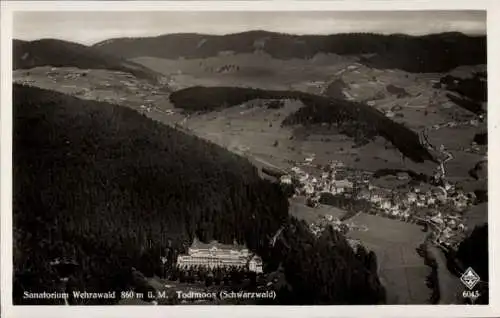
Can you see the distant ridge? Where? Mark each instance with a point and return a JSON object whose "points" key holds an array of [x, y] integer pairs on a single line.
{"points": [[427, 53], [59, 53]]}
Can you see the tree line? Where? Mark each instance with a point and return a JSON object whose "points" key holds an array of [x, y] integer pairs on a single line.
{"points": [[419, 54], [59, 53]]}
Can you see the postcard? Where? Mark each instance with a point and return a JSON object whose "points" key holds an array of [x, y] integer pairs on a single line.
{"points": [[248, 158]]}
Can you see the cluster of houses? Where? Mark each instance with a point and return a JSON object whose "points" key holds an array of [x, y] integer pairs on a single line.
{"points": [[126, 79], [474, 148], [131, 83], [54, 74], [328, 220], [447, 227], [453, 124], [24, 81], [76, 74], [401, 205], [336, 179], [447, 230], [70, 77], [142, 89], [228, 68]]}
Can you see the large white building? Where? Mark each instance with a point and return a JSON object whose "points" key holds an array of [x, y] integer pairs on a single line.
{"points": [[216, 255]]}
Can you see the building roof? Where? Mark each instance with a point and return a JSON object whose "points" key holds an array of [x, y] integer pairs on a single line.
{"points": [[343, 183], [197, 244]]}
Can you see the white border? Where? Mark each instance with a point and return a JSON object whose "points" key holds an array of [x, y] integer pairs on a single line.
{"points": [[8, 7]]}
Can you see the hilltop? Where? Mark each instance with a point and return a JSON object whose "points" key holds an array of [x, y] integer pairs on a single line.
{"points": [[111, 190], [59, 53], [428, 53]]}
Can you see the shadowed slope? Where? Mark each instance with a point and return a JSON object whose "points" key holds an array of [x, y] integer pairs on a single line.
{"points": [[60, 53], [429, 53]]}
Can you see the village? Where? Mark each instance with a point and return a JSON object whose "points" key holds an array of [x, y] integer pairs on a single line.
{"points": [[437, 207]]}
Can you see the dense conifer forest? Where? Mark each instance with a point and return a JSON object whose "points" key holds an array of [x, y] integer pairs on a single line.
{"points": [[473, 252], [110, 191], [59, 53], [421, 54], [468, 93], [474, 88]]}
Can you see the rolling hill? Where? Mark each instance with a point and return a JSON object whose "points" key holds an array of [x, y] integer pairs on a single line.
{"points": [[111, 190], [429, 53], [353, 119], [59, 53]]}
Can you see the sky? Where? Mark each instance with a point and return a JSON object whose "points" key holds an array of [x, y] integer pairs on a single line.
{"points": [[91, 27]]}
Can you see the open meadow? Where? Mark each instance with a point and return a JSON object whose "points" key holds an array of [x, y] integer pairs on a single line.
{"points": [[401, 269]]}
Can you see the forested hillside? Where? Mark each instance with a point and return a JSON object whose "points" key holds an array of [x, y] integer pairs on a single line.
{"points": [[353, 119], [428, 53], [474, 252], [58, 53], [325, 270], [469, 93], [109, 189]]}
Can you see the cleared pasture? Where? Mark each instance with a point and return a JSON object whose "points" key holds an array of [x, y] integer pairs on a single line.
{"points": [[401, 269]]}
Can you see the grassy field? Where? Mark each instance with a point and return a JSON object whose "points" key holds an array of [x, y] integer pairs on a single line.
{"points": [[101, 85], [450, 286], [423, 107], [255, 70], [401, 269], [258, 129]]}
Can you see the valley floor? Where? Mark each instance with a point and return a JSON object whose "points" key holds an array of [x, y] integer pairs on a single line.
{"points": [[256, 133]]}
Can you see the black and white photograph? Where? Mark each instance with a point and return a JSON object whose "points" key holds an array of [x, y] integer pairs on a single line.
{"points": [[269, 157]]}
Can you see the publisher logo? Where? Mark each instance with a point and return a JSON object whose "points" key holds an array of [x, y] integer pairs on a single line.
{"points": [[470, 278]]}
